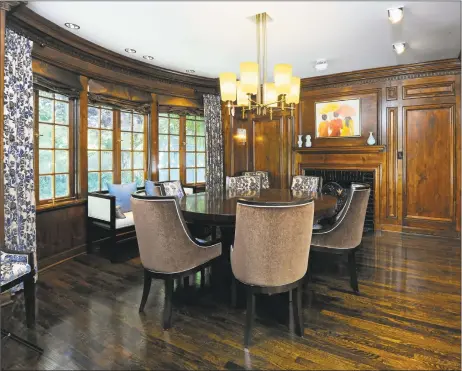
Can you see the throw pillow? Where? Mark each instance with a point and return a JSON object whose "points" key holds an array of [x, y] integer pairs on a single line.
{"points": [[152, 189], [119, 214], [122, 193]]}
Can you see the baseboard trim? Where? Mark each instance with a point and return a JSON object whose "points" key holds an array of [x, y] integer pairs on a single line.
{"points": [[53, 260]]}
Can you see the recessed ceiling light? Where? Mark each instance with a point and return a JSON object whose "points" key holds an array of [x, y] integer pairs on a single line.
{"points": [[321, 65], [72, 26], [190, 71], [148, 57], [128, 50], [395, 14], [399, 48]]}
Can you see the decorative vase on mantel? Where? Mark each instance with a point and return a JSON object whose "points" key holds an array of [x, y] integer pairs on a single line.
{"points": [[371, 139], [308, 141], [300, 141]]}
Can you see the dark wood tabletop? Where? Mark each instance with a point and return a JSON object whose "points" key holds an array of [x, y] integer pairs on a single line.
{"points": [[220, 209]]}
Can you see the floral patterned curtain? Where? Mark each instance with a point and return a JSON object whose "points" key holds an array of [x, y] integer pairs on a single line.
{"points": [[18, 138], [213, 142]]}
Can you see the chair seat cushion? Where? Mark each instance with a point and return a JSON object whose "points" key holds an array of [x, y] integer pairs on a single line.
{"points": [[127, 222], [13, 267]]}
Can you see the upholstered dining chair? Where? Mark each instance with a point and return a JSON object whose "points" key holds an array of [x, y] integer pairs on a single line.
{"points": [[270, 247], [306, 183], [16, 268], [167, 248], [243, 183], [345, 235], [172, 188], [265, 184]]}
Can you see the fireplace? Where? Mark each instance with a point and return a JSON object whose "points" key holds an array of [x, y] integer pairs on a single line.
{"points": [[345, 178]]}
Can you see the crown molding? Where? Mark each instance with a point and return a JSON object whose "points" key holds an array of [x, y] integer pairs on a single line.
{"points": [[9, 5], [369, 76], [47, 33]]}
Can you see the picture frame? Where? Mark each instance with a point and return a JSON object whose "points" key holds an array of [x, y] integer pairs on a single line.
{"points": [[339, 118]]}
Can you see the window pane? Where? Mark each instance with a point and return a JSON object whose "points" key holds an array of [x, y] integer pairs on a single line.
{"points": [[163, 125], [174, 126], [174, 143], [174, 159], [61, 161], [45, 161], [174, 174], [126, 177], [93, 139], [200, 143], [45, 187], [163, 142], [200, 160], [163, 160], [138, 123], [106, 178], [106, 160], [61, 97], [190, 175], [138, 177], [46, 136], [93, 161], [126, 121], [190, 144], [163, 175], [106, 139], [62, 185], [190, 160], [200, 128], [106, 119], [200, 175], [93, 182], [61, 136], [126, 140], [190, 127], [45, 110], [93, 117], [61, 113], [126, 160], [138, 160], [138, 142], [43, 93]]}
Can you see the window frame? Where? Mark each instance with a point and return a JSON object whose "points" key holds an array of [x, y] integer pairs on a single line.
{"points": [[72, 197]]}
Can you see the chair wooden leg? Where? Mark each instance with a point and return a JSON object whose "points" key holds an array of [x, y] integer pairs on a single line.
{"points": [[249, 317], [298, 309], [113, 257], [146, 289], [233, 292], [352, 269], [167, 318], [29, 298], [89, 238], [186, 281]]}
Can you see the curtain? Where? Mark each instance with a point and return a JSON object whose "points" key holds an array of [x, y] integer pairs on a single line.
{"points": [[213, 143], [18, 141]]}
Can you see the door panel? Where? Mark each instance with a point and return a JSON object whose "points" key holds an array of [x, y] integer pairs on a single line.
{"points": [[429, 138]]}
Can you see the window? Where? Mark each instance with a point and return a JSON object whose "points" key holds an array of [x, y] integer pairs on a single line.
{"points": [[54, 145], [100, 148], [116, 152], [132, 148], [181, 162]]}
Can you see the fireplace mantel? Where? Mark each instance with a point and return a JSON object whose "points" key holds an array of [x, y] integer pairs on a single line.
{"points": [[345, 149]]}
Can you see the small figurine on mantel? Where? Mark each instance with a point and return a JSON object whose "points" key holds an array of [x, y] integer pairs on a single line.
{"points": [[308, 141], [300, 141]]}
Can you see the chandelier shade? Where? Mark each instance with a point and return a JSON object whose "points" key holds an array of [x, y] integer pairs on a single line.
{"points": [[294, 94], [228, 86], [270, 94], [282, 78], [242, 98], [249, 77]]}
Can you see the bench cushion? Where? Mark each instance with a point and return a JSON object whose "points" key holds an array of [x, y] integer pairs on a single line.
{"points": [[13, 267], [127, 222]]}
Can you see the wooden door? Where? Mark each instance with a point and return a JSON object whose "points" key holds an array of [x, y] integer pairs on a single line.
{"points": [[271, 149], [429, 173]]}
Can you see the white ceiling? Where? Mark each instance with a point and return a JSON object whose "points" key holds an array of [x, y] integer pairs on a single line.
{"points": [[214, 37]]}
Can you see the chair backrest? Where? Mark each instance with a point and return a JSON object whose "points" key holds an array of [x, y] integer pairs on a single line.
{"points": [[272, 241], [265, 184], [172, 188], [164, 240], [243, 183], [306, 183], [347, 231]]}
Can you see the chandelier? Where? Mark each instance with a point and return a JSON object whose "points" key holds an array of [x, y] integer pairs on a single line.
{"points": [[252, 92]]}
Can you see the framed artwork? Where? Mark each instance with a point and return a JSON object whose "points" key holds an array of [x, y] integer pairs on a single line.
{"points": [[338, 119]]}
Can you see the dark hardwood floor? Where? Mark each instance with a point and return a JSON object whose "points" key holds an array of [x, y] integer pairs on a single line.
{"points": [[406, 317]]}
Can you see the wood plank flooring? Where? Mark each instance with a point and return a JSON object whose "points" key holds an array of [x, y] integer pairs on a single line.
{"points": [[406, 317]]}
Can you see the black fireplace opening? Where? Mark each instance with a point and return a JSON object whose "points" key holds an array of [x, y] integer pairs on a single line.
{"points": [[345, 178]]}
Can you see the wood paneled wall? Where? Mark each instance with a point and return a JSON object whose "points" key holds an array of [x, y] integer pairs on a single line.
{"points": [[412, 109]]}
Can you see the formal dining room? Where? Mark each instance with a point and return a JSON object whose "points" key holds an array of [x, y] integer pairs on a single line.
{"points": [[230, 185]]}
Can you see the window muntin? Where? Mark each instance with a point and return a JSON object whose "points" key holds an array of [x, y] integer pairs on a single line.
{"points": [[133, 149], [54, 144], [195, 150], [169, 147]]}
